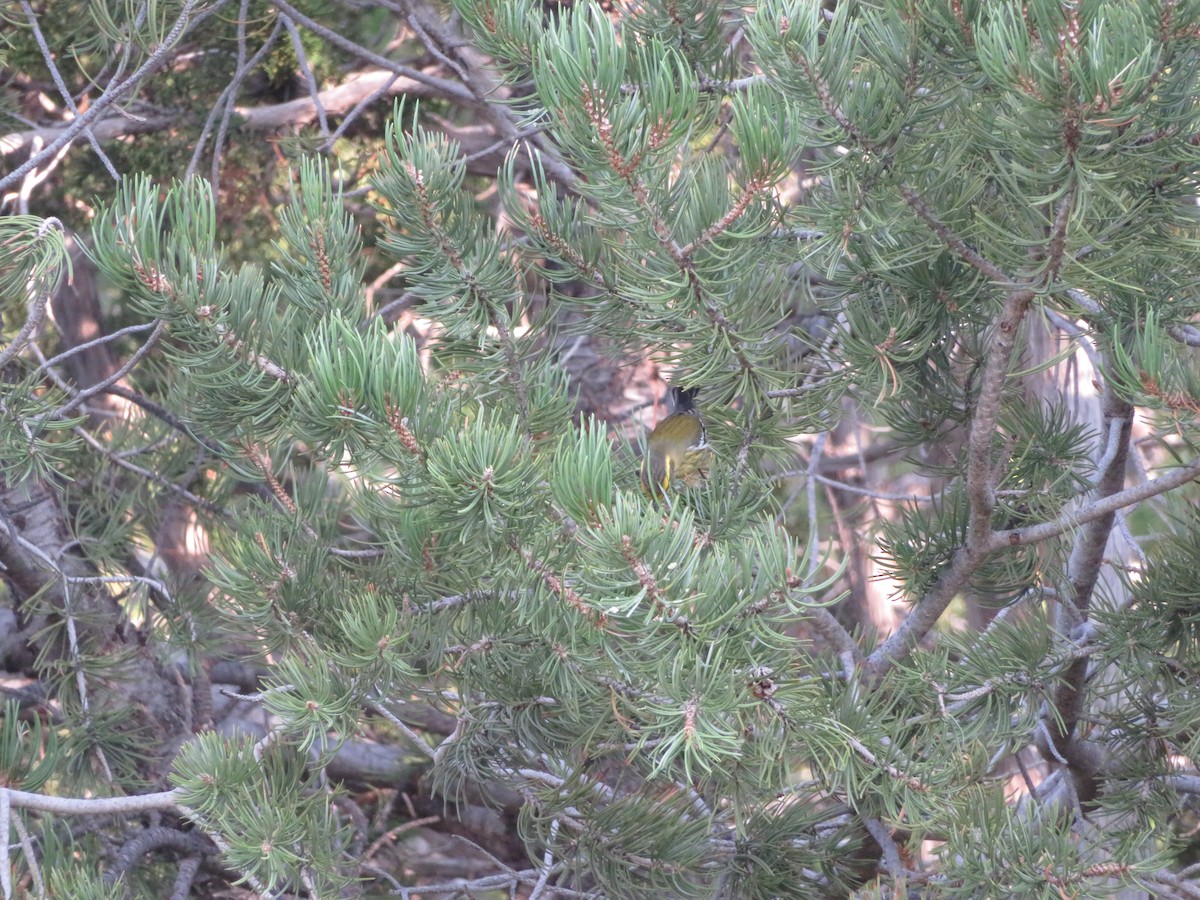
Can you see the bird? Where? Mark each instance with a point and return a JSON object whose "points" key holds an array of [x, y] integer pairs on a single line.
{"points": [[677, 448]]}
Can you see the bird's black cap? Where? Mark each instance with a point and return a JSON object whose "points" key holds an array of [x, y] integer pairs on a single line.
{"points": [[683, 399]]}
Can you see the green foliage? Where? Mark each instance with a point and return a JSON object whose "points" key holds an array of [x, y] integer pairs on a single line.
{"points": [[267, 791], [33, 263], [1032, 857], [455, 261], [814, 213], [27, 751]]}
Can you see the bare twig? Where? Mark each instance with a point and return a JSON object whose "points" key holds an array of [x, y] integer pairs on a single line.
{"points": [[230, 95], [188, 868], [37, 311], [31, 860], [30, 182], [198, 501], [960, 247], [225, 101], [442, 85], [81, 348], [106, 128], [309, 79], [547, 864], [118, 90], [1185, 334], [63, 91], [357, 111], [887, 846], [151, 839], [814, 534], [855, 489], [413, 738], [100, 387], [444, 45], [1083, 572]]}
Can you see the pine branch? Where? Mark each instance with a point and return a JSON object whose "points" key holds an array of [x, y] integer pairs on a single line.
{"points": [[955, 243], [435, 35], [163, 801], [150, 839], [980, 491], [1097, 509]]}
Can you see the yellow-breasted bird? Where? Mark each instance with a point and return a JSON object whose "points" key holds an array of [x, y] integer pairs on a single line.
{"points": [[677, 448]]}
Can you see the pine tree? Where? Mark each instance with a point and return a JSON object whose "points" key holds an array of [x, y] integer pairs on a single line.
{"points": [[964, 232]]}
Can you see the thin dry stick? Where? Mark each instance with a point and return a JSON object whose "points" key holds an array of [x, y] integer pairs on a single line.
{"points": [[5, 822], [547, 864], [100, 387], [30, 182], [194, 499], [356, 111], [449, 88], [63, 91], [31, 860], [413, 737], [231, 95], [37, 310], [77, 659], [441, 43], [814, 537], [388, 836], [225, 100], [116, 91], [313, 90], [96, 342]]}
